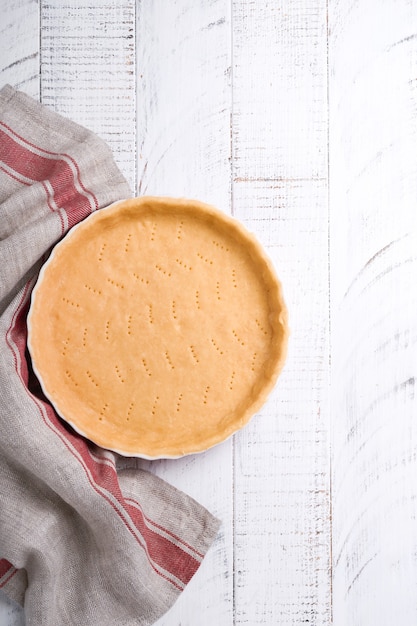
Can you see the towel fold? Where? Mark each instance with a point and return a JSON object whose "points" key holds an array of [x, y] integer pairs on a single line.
{"points": [[82, 542]]}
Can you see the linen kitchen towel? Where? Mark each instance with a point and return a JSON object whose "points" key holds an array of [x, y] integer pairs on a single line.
{"points": [[82, 542]]}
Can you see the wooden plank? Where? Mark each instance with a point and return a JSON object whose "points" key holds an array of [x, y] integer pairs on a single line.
{"points": [[281, 471], [183, 92], [88, 70], [19, 46], [184, 95], [373, 138]]}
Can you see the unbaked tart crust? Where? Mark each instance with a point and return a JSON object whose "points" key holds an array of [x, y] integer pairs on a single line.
{"points": [[157, 327]]}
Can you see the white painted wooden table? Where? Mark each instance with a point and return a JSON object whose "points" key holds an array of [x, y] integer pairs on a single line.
{"points": [[299, 117]]}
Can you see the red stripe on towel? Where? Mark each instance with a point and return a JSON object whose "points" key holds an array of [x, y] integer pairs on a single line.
{"points": [[38, 165], [7, 571]]}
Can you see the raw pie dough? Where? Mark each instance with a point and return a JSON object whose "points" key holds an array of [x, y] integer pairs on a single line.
{"points": [[157, 327]]}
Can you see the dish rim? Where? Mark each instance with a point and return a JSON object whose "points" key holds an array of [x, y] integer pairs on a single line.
{"points": [[208, 210]]}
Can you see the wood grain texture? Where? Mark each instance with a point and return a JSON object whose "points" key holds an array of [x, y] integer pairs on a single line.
{"points": [[19, 45], [373, 138], [88, 70], [183, 93], [183, 139], [281, 473]]}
